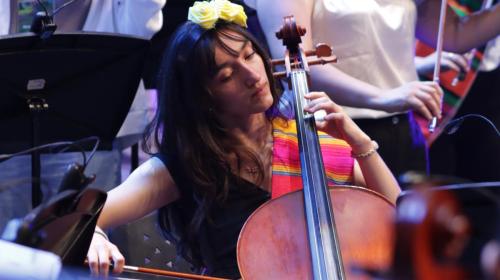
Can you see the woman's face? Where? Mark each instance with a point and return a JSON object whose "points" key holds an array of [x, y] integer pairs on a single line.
{"points": [[240, 87]]}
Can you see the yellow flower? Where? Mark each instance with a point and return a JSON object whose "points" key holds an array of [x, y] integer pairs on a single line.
{"points": [[231, 12], [221, 3], [240, 17], [204, 13]]}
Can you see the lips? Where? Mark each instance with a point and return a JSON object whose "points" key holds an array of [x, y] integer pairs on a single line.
{"points": [[260, 90]]}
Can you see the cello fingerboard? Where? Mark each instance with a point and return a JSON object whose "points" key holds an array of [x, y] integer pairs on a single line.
{"points": [[322, 234]]}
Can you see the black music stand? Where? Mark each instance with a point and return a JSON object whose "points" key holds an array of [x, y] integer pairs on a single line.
{"points": [[65, 88]]}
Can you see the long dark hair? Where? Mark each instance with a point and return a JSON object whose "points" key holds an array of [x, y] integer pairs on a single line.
{"points": [[184, 124]]}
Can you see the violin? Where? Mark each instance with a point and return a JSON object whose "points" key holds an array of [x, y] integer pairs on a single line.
{"points": [[455, 85], [318, 232]]}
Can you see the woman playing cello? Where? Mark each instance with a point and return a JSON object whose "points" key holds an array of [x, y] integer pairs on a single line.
{"points": [[223, 145]]}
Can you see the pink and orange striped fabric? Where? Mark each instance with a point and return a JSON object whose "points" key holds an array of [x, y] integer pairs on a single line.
{"points": [[339, 165]]}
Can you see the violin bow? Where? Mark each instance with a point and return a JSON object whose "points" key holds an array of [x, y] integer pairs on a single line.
{"points": [[439, 52]]}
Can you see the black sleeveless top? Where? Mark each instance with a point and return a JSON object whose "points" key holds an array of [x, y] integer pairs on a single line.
{"points": [[214, 247]]}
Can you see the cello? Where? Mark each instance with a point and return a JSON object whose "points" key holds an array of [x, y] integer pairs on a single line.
{"points": [[317, 232]]}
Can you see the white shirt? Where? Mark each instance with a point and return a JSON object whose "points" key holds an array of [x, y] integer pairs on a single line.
{"points": [[373, 39]]}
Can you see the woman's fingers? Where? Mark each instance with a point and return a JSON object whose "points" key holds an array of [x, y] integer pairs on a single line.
{"points": [[316, 104], [100, 254], [429, 90], [320, 101], [432, 106], [325, 105], [432, 88], [336, 123], [456, 62], [334, 117], [420, 107], [103, 254], [118, 260], [429, 96], [450, 65], [331, 120], [423, 97], [437, 94], [314, 94], [93, 260]]}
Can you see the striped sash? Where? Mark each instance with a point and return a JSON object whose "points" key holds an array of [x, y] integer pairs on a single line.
{"points": [[339, 164]]}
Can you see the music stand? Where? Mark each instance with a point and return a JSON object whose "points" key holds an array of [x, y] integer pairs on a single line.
{"points": [[64, 88]]}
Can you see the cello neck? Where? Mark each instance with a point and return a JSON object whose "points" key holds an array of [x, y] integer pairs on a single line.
{"points": [[323, 239], [324, 245]]}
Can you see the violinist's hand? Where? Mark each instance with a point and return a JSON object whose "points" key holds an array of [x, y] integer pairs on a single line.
{"points": [[336, 123], [449, 61], [422, 97], [99, 255]]}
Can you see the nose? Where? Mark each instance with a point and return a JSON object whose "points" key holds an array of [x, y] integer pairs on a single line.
{"points": [[251, 76]]}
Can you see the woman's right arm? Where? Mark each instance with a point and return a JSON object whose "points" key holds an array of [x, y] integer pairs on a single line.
{"points": [[148, 188], [423, 97]]}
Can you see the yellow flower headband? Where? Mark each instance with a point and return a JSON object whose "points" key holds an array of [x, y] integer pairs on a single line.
{"points": [[206, 14]]}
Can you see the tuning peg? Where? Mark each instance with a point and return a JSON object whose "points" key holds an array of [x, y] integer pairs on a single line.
{"points": [[322, 50], [322, 61]]}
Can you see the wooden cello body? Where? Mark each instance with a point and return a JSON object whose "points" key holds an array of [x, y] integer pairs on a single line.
{"points": [[273, 243], [318, 232]]}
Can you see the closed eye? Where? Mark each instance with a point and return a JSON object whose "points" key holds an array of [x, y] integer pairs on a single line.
{"points": [[225, 79], [225, 74], [250, 56]]}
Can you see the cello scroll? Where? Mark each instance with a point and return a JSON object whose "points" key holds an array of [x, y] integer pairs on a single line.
{"points": [[295, 57]]}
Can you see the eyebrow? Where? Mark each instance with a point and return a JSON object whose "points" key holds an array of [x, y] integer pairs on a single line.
{"points": [[225, 64]]}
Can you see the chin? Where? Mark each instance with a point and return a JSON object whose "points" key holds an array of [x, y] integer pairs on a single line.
{"points": [[258, 108], [259, 104], [265, 103]]}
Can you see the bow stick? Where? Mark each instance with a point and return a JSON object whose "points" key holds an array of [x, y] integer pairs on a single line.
{"points": [[439, 51], [129, 268]]}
